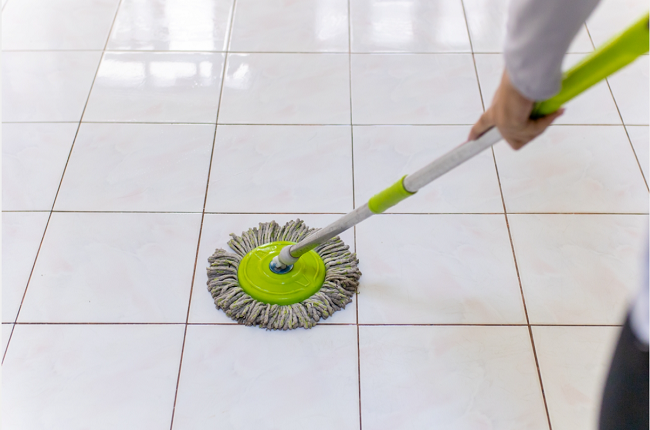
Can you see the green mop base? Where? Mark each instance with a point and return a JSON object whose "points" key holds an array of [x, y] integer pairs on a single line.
{"points": [[258, 281]]}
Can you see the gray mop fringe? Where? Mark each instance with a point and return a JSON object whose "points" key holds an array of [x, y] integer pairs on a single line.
{"points": [[341, 280]]}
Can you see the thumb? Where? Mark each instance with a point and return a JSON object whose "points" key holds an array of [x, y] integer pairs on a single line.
{"points": [[483, 123]]}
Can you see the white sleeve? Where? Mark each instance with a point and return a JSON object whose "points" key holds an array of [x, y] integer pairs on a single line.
{"points": [[539, 33]]}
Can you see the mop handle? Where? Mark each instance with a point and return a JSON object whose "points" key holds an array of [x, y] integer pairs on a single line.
{"points": [[607, 59]]}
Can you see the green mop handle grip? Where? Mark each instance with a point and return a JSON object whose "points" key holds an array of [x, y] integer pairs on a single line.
{"points": [[617, 53]]}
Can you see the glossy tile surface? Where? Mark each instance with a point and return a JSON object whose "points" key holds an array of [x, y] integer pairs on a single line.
{"points": [[630, 88], [156, 87], [6, 332], [414, 89], [57, 24], [408, 26], [443, 269], [613, 16], [138, 167], [33, 159], [486, 20], [640, 139], [300, 379], [456, 377], [578, 269], [281, 169], [573, 169], [91, 376], [215, 234], [290, 26], [21, 237], [46, 85], [113, 267], [384, 153], [171, 25], [286, 89], [574, 362], [595, 106]]}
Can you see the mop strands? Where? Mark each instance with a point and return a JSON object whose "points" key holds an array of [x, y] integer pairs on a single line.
{"points": [[312, 291]]}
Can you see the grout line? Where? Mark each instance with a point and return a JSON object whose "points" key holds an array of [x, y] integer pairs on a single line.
{"points": [[323, 324], [301, 125], [51, 211], [205, 200], [471, 46]]}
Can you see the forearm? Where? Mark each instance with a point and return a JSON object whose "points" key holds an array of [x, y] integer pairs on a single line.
{"points": [[539, 33]]}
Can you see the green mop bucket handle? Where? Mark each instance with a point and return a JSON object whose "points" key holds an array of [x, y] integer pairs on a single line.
{"points": [[617, 53]]}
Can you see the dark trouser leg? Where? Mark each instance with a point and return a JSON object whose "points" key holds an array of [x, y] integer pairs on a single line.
{"points": [[625, 399]]}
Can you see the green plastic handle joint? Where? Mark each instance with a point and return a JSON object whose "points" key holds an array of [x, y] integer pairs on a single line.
{"points": [[388, 198], [607, 59]]}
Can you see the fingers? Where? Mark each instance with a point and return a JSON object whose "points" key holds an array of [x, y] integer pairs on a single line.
{"points": [[533, 129], [483, 123]]}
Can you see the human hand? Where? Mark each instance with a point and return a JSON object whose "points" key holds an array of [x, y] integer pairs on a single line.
{"points": [[510, 113]]}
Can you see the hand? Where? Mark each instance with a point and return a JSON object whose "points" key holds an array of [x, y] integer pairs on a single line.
{"points": [[510, 113]]}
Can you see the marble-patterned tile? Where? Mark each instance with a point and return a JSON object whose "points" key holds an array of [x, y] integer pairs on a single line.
{"points": [[640, 138], [171, 25], [57, 24], [286, 89], [6, 333], [91, 376], [138, 167], [21, 237], [115, 267], [437, 269], [33, 159], [595, 106], [612, 17], [274, 168], [408, 26], [578, 269], [156, 87], [573, 169], [383, 154], [631, 89], [449, 378], [247, 378], [414, 89], [215, 234], [46, 85], [486, 20], [290, 26], [574, 362]]}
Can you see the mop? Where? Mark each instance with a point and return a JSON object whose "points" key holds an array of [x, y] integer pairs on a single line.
{"points": [[285, 277]]}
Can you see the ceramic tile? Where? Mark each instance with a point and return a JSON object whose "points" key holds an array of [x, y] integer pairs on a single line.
{"points": [[578, 269], [6, 332], [290, 26], [247, 378], [595, 106], [215, 234], [273, 168], [573, 169], [631, 91], [138, 167], [91, 376], [437, 269], [408, 26], [171, 25], [382, 154], [613, 16], [640, 138], [486, 20], [46, 86], [574, 362], [286, 89], [21, 236], [33, 159], [449, 378], [414, 89], [58, 24], [156, 87], [118, 267]]}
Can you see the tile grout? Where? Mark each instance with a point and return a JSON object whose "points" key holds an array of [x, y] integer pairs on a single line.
{"points": [[324, 324]]}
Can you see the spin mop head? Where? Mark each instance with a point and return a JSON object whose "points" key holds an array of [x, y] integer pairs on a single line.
{"points": [[320, 283]]}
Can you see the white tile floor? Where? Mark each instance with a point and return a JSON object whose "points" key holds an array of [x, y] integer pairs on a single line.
{"points": [[138, 134]]}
